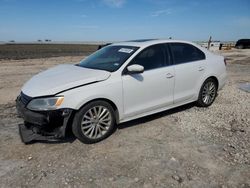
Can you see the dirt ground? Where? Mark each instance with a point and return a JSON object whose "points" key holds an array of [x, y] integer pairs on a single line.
{"points": [[43, 50], [184, 147]]}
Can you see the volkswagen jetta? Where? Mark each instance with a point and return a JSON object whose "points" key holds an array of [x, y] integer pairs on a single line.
{"points": [[118, 83]]}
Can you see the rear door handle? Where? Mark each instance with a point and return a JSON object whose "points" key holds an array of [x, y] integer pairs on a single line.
{"points": [[169, 75], [201, 69]]}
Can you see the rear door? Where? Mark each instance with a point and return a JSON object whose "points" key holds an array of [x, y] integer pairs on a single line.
{"points": [[152, 89], [189, 63]]}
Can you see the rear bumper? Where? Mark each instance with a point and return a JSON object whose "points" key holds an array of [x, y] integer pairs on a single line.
{"points": [[43, 126], [222, 80]]}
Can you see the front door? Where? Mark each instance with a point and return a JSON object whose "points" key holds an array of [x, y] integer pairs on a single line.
{"points": [[152, 89]]}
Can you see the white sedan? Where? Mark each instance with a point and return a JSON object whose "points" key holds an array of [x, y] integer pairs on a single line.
{"points": [[118, 83]]}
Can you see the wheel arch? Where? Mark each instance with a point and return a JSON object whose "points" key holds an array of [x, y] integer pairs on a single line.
{"points": [[114, 106], [202, 82], [209, 77], [215, 79]]}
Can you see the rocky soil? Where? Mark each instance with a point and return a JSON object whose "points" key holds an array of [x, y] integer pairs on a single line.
{"points": [[184, 147]]}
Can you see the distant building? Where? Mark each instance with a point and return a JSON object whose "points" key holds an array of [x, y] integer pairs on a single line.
{"points": [[214, 45]]}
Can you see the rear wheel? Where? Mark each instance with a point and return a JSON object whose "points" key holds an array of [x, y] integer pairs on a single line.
{"points": [[207, 93], [94, 122]]}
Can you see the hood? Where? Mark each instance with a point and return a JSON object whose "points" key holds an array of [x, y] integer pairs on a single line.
{"points": [[60, 78]]}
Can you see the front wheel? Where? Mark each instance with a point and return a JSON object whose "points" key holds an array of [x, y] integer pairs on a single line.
{"points": [[207, 93], [94, 122]]}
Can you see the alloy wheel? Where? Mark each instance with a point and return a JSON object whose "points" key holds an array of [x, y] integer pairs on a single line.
{"points": [[96, 122], [209, 92]]}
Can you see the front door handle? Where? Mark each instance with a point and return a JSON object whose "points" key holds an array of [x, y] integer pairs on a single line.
{"points": [[169, 75], [201, 69]]}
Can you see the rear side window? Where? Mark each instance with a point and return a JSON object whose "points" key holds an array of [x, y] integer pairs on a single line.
{"points": [[151, 58], [184, 53]]}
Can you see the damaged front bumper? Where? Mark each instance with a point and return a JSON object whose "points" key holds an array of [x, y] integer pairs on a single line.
{"points": [[43, 125]]}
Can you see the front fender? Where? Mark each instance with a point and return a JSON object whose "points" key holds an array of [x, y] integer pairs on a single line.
{"points": [[78, 97]]}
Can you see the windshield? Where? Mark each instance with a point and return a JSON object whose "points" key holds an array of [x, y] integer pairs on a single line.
{"points": [[109, 58]]}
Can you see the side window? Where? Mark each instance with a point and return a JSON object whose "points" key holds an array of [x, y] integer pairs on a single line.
{"points": [[151, 57], [184, 53]]}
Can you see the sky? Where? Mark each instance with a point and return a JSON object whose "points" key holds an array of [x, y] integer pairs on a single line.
{"points": [[116, 20]]}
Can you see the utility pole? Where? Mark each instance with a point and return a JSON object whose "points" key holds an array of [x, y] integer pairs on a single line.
{"points": [[209, 42]]}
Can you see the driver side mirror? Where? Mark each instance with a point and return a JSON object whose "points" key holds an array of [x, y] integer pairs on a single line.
{"points": [[135, 69]]}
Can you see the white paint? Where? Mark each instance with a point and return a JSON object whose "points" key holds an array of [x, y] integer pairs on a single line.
{"points": [[134, 95]]}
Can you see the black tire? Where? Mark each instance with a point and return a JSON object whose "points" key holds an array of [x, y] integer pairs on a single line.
{"points": [[201, 102], [77, 123]]}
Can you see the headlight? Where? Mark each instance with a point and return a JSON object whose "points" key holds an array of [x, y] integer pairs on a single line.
{"points": [[42, 104]]}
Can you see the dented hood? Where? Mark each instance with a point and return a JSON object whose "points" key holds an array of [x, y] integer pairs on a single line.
{"points": [[60, 78]]}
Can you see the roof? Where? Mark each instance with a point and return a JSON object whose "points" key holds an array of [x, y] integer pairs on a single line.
{"points": [[147, 42]]}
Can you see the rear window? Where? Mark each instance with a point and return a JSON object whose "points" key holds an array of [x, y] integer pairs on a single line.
{"points": [[183, 53]]}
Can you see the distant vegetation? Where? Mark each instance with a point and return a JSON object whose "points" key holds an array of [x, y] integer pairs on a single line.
{"points": [[26, 51]]}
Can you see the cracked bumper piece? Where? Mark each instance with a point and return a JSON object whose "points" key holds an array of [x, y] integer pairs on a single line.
{"points": [[43, 126]]}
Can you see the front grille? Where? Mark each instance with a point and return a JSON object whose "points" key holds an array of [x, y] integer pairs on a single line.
{"points": [[25, 99]]}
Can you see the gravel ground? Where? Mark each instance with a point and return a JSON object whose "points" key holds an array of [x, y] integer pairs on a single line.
{"points": [[184, 147]]}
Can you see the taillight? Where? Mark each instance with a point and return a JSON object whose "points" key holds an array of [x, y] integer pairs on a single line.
{"points": [[225, 61]]}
